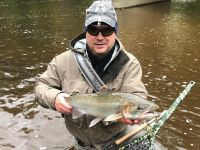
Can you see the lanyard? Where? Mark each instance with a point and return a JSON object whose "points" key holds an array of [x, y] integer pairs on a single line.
{"points": [[88, 72]]}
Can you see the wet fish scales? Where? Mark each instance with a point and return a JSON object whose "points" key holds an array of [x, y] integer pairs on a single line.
{"points": [[103, 105]]}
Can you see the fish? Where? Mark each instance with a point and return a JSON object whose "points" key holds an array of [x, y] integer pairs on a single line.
{"points": [[111, 106]]}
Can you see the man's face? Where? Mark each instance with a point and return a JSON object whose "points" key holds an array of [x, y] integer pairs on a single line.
{"points": [[100, 38]]}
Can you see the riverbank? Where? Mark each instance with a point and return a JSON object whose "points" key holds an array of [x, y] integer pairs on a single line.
{"points": [[133, 3]]}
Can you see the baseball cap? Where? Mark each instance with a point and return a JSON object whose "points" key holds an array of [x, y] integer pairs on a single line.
{"points": [[101, 11]]}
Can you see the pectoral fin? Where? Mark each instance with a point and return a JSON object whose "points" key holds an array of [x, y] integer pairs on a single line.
{"points": [[95, 121], [114, 117], [127, 110]]}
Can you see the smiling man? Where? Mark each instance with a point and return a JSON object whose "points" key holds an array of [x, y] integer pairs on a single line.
{"points": [[116, 67], [100, 38]]}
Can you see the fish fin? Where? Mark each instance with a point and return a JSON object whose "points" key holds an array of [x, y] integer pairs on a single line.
{"points": [[95, 121], [127, 108], [77, 113], [114, 117]]}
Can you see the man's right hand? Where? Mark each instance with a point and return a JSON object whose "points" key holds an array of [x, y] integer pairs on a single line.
{"points": [[128, 121], [61, 105]]}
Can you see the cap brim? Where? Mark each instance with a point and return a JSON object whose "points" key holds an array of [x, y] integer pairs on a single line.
{"points": [[104, 19]]}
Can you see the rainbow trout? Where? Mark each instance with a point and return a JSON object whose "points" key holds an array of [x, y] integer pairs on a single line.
{"points": [[111, 106]]}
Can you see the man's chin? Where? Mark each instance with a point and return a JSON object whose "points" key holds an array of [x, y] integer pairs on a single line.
{"points": [[100, 51]]}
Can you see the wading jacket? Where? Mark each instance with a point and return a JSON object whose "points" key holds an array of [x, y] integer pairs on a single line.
{"points": [[122, 73]]}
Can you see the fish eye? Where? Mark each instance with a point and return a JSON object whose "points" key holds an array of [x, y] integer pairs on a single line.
{"points": [[140, 107]]}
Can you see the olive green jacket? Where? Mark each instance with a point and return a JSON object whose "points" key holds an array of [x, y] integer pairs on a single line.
{"points": [[123, 73]]}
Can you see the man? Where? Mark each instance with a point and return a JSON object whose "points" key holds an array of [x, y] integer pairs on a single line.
{"points": [[116, 67]]}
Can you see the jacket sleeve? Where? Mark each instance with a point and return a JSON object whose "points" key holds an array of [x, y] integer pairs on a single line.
{"points": [[48, 86], [133, 80]]}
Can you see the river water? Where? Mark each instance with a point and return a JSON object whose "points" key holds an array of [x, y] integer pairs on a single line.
{"points": [[164, 37]]}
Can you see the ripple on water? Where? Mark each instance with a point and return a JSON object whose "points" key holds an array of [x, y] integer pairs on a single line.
{"points": [[27, 82]]}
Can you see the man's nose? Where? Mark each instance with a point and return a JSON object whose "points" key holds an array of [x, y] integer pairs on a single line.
{"points": [[100, 36]]}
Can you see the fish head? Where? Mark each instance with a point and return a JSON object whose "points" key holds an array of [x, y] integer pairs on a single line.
{"points": [[139, 110]]}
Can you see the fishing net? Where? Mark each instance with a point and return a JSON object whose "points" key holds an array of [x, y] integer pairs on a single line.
{"points": [[141, 143], [145, 144]]}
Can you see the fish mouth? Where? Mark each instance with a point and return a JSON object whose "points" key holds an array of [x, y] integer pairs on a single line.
{"points": [[147, 115]]}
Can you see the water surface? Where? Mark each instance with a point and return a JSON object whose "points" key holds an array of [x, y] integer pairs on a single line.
{"points": [[164, 37]]}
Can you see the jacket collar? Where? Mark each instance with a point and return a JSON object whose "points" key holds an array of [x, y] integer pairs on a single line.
{"points": [[79, 48], [113, 67]]}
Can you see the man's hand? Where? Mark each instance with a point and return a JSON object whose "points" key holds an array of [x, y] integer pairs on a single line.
{"points": [[128, 121], [61, 104]]}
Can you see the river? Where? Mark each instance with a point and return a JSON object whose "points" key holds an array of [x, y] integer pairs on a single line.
{"points": [[164, 37]]}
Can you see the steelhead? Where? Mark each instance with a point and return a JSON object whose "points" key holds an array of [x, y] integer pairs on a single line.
{"points": [[111, 106]]}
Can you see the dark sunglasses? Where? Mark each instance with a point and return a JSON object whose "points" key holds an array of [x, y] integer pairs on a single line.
{"points": [[104, 29]]}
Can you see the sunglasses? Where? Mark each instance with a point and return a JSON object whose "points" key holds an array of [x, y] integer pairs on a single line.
{"points": [[104, 29]]}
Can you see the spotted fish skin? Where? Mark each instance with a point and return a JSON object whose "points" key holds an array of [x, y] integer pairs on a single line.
{"points": [[110, 106]]}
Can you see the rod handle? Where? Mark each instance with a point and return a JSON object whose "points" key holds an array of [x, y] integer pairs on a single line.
{"points": [[133, 132]]}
